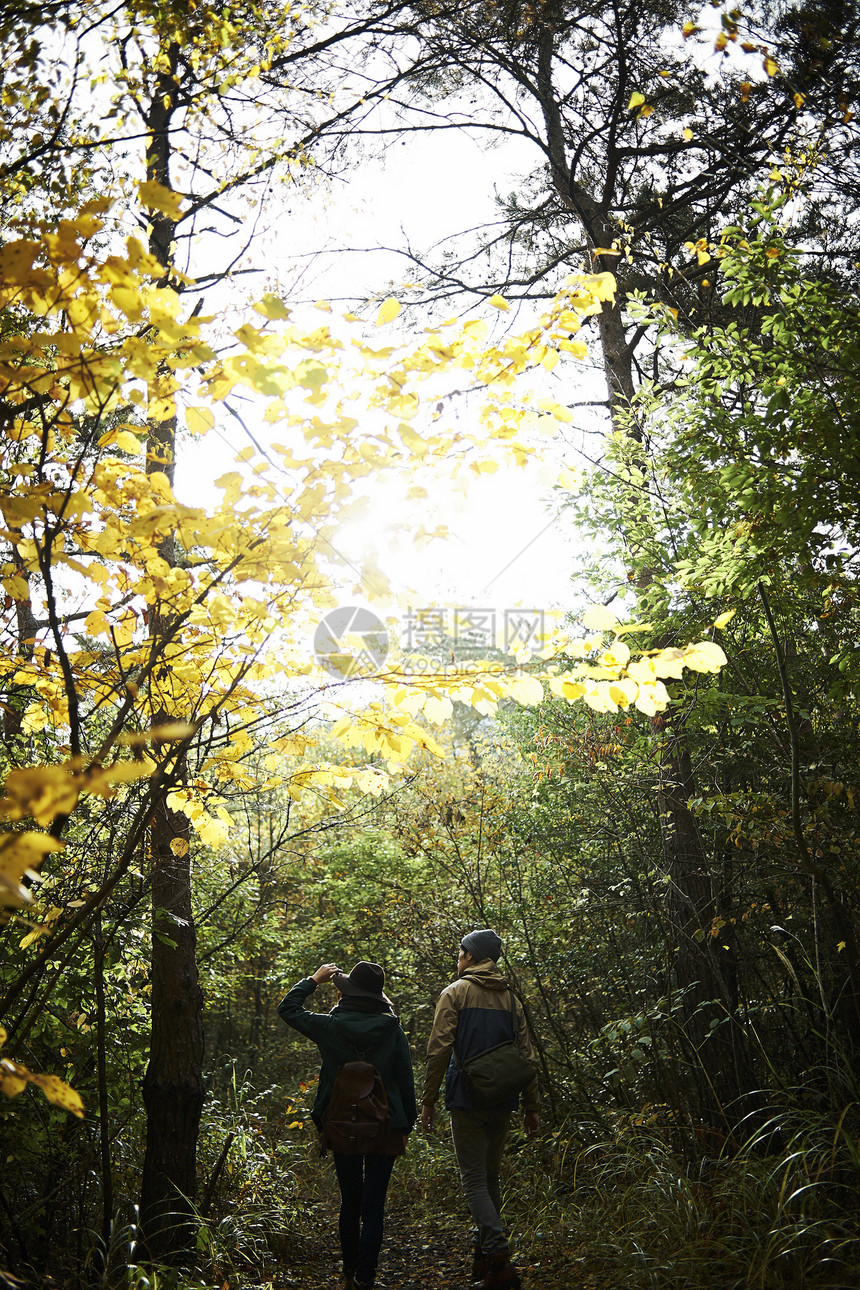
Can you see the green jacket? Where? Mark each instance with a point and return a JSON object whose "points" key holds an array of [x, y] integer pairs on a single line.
{"points": [[343, 1036]]}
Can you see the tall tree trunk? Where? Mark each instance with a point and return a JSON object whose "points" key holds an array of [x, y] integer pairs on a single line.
{"points": [[703, 963], [25, 622], [704, 956], [173, 1089], [173, 1085], [104, 1105]]}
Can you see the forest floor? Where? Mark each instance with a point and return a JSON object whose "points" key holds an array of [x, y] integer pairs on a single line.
{"points": [[414, 1255], [419, 1251]]}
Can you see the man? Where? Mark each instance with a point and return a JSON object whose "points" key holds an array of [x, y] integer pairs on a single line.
{"points": [[472, 1015]]}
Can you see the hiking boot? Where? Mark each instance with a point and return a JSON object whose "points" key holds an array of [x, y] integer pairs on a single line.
{"points": [[500, 1275], [480, 1263], [348, 1279]]}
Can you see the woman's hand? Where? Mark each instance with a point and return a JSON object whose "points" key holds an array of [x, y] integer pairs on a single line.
{"points": [[325, 973]]}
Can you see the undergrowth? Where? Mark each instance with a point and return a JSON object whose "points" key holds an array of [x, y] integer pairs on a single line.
{"points": [[775, 1209]]}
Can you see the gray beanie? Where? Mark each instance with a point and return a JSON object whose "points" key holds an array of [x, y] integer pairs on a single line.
{"points": [[483, 943]]}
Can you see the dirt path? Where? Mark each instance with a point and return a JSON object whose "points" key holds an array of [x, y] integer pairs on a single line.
{"points": [[412, 1255], [415, 1255]]}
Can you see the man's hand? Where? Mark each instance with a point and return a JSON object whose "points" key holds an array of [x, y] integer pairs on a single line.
{"points": [[325, 973], [531, 1123], [427, 1118]]}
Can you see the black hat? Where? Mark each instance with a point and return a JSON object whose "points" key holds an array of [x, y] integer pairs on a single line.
{"points": [[364, 981], [482, 944]]}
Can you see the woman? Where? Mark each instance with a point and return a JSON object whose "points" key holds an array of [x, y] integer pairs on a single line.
{"points": [[362, 1024]]}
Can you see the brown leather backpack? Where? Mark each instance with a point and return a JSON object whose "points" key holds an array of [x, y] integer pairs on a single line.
{"points": [[356, 1118]]}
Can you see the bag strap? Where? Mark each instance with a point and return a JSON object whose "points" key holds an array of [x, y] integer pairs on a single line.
{"points": [[515, 1019]]}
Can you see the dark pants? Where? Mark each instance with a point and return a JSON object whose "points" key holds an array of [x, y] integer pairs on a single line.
{"points": [[363, 1185], [479, 1139]]}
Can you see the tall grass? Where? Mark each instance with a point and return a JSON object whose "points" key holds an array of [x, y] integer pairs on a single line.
{"points": [[776, 1211]]}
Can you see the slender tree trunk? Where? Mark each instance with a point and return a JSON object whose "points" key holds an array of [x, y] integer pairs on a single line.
{"points": [[104, 1107], [173, 1085], [704, 957], [173, 1089], [25, 622], [699, 967]]}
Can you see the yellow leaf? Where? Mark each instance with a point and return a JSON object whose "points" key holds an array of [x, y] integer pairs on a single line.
{"points": [[388, 311], [526, 689], [438, 709], [128, 442], [624, 692], [179, 846], [770, 66], [724, 619], [173, 731], [636, 100], [704, 656], [599, 618], [32, 937], [212, 833], [412, 439], [499, 302], [126, 772], [96, 623], [20, 852], [60, 1093], [273, 307], [129, 300], [16, 259], [599, 698], [669, 662], [616, 657], [567, 689], [158, 198], [607, 250], [570, 478], [12, 1082], [14, 1079], [652, 698], [199, 420], [688, 133]]}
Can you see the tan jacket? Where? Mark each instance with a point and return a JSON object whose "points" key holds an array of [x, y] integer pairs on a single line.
{"points": [[472, 1015]]}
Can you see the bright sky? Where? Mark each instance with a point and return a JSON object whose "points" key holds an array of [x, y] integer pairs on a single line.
{"points": [[506, 549]]}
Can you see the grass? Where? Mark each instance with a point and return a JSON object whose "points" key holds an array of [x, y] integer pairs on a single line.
{"points": [[775, 1211]]}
